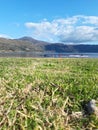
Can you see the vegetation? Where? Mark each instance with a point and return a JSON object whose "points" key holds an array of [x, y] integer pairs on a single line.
{"points": [[19, 45], [28, 44], [42, 94]]}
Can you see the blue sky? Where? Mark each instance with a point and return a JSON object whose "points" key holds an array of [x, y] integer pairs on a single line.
{"points": [[68, 21]]}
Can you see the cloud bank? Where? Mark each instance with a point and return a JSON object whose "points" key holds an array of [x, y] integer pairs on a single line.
{"points": [[76, 29], [5, 36]]}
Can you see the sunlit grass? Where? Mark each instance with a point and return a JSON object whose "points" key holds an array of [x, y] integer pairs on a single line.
{"points": [[42, 94]]}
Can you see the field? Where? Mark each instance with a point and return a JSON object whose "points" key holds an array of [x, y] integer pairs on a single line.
{"points": [[46, 94]]}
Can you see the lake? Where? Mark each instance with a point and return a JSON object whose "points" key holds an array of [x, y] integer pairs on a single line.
{"points": [[55, 55], [72, 55]]}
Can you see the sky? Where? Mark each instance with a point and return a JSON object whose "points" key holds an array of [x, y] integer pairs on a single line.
{"points": [[67, 21]]}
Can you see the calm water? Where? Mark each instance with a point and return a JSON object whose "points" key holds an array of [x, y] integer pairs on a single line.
{"points": [[56, 55], [72, 55], [92, 55], [87, 55]]}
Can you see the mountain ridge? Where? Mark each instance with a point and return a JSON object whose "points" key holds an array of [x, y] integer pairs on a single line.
{"points": [[29, 44], [32, 40]]}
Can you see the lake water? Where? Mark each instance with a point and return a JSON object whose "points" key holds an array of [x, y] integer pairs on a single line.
{"points": [[72, 55], [84, 55], [55, 55]]}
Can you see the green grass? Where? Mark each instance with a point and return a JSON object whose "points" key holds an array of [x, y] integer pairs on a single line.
{"points": [[41, 94]]}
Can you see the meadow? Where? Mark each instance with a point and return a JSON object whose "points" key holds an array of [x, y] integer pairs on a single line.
{"points": [[42, 93]]}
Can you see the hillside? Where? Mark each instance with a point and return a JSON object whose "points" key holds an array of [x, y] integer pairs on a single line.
{"points": [[32, 40], [28, 44], [63, 48], [15, 45]]}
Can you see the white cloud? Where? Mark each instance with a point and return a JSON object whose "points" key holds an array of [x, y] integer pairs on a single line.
{"points": [[5, 36], [30, 24], [91, 20], [81, 34], [76, 29]]}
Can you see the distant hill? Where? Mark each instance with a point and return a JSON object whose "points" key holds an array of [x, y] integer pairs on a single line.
{"points": [[20, 45], [28, 44], [62, 48], [32, 40]]}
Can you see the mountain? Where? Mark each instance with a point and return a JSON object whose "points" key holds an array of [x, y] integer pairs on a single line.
{"points": [[15, 45], [29, 39], [29, 44], [62, 48], [32, 40]]}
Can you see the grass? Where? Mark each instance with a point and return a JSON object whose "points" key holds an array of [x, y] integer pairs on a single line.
{"points": [[42, 94]]}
